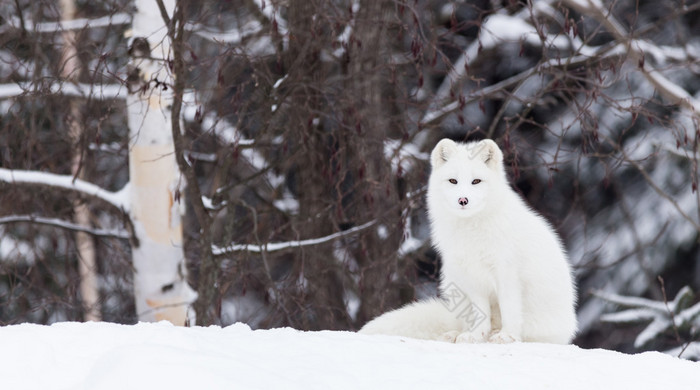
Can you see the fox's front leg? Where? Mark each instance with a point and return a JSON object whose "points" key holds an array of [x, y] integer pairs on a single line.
{"points": [[510, 301], [475, 319]]}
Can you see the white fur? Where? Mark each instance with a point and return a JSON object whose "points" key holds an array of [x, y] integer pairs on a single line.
{"points": [[428, 320], [504, 257]]}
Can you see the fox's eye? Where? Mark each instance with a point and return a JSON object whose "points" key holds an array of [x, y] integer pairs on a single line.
{"points": [[476, 181], [453, 181]]}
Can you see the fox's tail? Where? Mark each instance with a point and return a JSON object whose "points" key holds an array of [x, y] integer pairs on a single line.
{"points": [[427, 320]]}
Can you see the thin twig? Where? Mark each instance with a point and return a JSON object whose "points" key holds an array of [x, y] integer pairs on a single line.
{"points": [[673, 318], [656, 188]]}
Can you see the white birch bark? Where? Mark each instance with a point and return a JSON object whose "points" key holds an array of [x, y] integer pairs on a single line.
{"points": [[87, 266], [160, 283]]}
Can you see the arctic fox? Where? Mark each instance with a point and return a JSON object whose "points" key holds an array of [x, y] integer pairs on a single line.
{"points": [[505, 275]]}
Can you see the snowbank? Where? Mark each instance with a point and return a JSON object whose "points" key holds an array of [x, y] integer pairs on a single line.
{"points": [[161, 356]]}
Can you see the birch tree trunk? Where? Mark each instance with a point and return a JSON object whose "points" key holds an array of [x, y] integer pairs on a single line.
{"points": [[70, 70], [160, 281]]}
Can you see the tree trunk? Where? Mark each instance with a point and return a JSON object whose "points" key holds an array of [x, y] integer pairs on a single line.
{"points": [[376, 198], [87, 266], [324, 287], [160, 281]]}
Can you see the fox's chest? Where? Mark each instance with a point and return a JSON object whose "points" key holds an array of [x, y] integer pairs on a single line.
{"points": [[473, 248], [477, 259]]}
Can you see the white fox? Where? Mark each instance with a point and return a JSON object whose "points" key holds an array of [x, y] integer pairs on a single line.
{"points": [[505, 275]]}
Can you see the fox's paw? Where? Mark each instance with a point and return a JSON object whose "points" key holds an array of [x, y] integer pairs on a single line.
{"points": [[449, 337], [502, 337], [469, 338]]}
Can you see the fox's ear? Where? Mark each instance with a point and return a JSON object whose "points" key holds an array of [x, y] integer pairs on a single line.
{"points": [[489, 153], [442, 152]]}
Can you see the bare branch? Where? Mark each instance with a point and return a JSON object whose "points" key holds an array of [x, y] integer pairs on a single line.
{"points": [[115, 233], [99, 91], [279, 246], [163, 13], [74, 24]]}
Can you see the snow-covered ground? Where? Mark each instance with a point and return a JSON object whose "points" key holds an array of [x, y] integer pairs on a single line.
{"points": [[161, 356]]}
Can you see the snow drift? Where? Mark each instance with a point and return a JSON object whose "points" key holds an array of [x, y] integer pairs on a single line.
{"points": [[161, 356]]}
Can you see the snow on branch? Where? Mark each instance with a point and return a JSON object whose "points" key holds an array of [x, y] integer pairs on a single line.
{"points": [[74, 24], [665, 54], [228, 133], [671, 91], [211, 122], [664, 316], [403, 155], [278, 246], [500, 28], [638, 49], [630, 301], [232, 36], [99, 91], [343, 39], [271, 12], [438, 112], [496, 30], [118, 199], [116, 233]]}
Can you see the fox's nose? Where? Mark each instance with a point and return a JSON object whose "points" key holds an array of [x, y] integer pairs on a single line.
{"points": [[463, 201]]}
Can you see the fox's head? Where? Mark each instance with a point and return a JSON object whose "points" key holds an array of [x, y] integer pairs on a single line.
{"points": [[465, 178]]}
